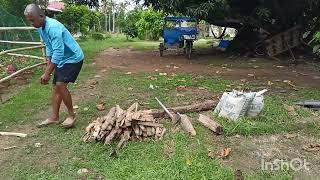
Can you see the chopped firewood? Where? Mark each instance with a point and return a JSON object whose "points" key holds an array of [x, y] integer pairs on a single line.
{"points": [[109, 127], [142, 128], [134, 124], [152, 124], [163, 130], [110, 136], [97, 129], [186, 124], [211, 124], [109, 118], [90, 126]]}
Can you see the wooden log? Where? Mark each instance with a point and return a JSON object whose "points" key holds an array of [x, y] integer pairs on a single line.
{"points": [[101, 135], [143, 128], [111, 136], [90, 126], [20, 42], [187, 125], [20, 71], [149, 131], [109, 119], [136, 130], [153, 131], [163, 131], [151, 124], [123, 141], [109, 127], [133, 108], [97, 129], [16, 28], [24, 55], [20, 49], [158, 132], [211, 124], [13, 134], [204, 106], [86, 137]]}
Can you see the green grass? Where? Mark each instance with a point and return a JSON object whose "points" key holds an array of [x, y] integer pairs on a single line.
{"points": [[177, 156]]}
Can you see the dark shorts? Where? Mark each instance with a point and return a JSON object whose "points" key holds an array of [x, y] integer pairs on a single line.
{"points": [[68, 73]]}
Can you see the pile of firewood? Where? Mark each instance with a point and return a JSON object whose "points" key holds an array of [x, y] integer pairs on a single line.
{"points": [[124, 125], [134, 124]]}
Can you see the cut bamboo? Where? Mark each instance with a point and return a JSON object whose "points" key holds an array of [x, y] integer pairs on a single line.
{"points": [[20, 42], [20, 49], [25, 55], [20, 71], [16, 28], [13, 134], [43, 50]]}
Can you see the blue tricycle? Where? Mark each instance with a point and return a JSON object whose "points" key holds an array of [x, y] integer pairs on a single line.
{"points": [[179, 32]]}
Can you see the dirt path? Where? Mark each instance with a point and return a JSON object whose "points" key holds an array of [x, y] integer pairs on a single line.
{"points": [[205, 63]]}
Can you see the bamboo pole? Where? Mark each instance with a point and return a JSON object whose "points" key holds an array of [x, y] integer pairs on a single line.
{"points": [[43, 50], [20, 71], [20, 42], [25, 55], [16, 28], [20, 49], [13, 134], [28, 31]]}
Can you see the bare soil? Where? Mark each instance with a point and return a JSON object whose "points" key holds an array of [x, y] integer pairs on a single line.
{"points": [[211, 63]]}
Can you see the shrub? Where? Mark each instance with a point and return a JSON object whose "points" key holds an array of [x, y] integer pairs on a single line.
{"points": [[107, 35], [98, 36]]}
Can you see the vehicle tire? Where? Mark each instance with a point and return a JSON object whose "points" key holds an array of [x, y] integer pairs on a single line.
{"points": [[161, 49], [189, 50]]}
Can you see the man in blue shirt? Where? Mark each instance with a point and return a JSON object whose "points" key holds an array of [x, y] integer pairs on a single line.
{"points": [[64, 57]]}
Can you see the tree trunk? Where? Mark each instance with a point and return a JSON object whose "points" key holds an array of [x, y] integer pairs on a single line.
{"points": [[109, 16], [113, 21]]}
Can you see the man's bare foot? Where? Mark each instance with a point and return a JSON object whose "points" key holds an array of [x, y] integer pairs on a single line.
{"points": [[47, 122], [69, 122]]}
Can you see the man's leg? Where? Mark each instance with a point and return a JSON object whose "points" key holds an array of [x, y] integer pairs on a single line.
{"points": [[66, 97], [56, 102]]}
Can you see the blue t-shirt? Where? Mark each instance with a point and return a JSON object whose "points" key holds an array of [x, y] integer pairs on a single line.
{"points": [[60, 44]]}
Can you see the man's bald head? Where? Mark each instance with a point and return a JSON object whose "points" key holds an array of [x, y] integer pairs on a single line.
{"points": [[33, 10], [35, 15]]}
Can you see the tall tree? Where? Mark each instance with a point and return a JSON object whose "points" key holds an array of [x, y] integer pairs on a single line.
{"points": [[270, 16], [90, 3], [15, 7]]}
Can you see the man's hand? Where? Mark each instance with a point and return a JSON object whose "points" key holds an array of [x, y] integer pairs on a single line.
{"points": [[45, 79]]}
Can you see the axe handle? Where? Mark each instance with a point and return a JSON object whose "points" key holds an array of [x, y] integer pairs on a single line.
{"points": [[164, 108]]}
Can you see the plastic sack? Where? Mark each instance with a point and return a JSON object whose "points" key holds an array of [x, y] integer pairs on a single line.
{"points": [[236, 104], [257, 104]]}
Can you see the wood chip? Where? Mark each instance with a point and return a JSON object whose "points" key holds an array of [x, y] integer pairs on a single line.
{"points": [[225, 152]]}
